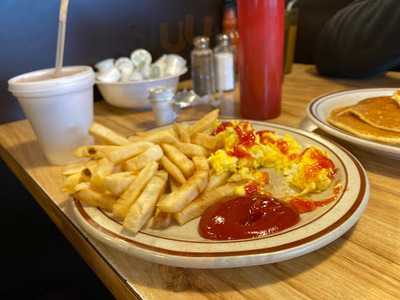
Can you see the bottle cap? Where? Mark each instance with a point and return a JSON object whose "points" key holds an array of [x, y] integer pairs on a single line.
{"points": [[201, 42]]}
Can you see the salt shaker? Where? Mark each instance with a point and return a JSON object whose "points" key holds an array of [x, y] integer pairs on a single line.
{"points": [[202, 67], [162, 104], [224, 64]]}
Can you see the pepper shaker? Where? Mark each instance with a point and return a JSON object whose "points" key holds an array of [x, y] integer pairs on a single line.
{"points": [[202, 67]]}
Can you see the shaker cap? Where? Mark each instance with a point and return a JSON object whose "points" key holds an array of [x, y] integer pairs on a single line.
{"points": [[201, 42], [223, 39]]}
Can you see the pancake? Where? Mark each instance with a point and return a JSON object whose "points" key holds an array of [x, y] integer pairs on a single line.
{"points": [[343, 118], [396, 97], [380, 112]]}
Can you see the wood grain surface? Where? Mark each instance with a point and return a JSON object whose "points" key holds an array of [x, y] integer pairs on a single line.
{"points": [[362, 264]]}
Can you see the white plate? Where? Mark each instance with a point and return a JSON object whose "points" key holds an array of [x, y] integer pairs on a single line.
{"points": [[318, 111], [182, 246]]}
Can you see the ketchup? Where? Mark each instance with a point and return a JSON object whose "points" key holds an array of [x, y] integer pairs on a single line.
{"points": [[246, 217], [221, 127], [239, 152], [283, 146], [322, 162], [246, 135], [305, 205]]}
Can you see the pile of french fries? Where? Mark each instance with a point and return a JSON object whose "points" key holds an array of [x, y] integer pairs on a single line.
{"points": [[152, 178]]}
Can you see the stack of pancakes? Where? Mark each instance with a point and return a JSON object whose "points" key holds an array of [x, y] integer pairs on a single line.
{"points": [[376, 119]]}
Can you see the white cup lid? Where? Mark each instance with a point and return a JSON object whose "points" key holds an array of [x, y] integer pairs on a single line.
{"points": [[41, 80]]}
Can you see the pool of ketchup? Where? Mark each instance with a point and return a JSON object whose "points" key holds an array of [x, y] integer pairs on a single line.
{"points": [[247, 217]]}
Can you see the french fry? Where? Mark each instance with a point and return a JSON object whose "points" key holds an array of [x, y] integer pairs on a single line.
{"points": [[93, 198], [173, 186], [74, 169], [154, 153], [118, 168], [191, 150], [89, 170], [197, 207], [161, 137], [208, 141], [160, 220], [201, 163], [81, 186], [179, 159], [205, 140], [121, 206], [94, 151], [220, 141], [172, 170], [142, 134], [141, 211], [153, 132], [79, 173], [135, 138], [179, 199], [71, 182], [108, 135], [182, 131], [117, 183], [126, 152], [79, 167], [205, 122], [236, 178], [103, 168], [217, 180]]}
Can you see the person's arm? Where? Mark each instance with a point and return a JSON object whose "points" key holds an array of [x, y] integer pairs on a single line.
{"points": [[361, 40]]}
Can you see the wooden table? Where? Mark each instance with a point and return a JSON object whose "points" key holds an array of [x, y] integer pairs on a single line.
{"points": [[362, 264]]}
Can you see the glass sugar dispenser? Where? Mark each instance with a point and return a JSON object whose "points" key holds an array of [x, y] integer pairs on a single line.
{"points": [[224, 59]]}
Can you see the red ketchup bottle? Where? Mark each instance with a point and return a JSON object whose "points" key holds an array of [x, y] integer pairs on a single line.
{"points": [[261, 30]]}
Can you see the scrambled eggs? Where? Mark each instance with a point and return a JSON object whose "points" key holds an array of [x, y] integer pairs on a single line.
{"points": [[247, 153]]}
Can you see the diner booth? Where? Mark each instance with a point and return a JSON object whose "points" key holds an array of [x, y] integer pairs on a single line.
{"points": [[42, 258]]}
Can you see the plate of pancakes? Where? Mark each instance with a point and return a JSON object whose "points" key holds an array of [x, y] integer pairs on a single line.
{"points": [[368, 118]]}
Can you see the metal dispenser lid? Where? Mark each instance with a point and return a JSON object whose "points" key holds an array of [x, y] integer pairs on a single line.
{"points": [[201, 42]]}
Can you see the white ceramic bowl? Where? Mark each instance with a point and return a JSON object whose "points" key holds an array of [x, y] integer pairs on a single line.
{"points": [[134, 94]]}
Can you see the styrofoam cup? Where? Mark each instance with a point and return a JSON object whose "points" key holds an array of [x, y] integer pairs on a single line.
{"points": [[60, 109]]}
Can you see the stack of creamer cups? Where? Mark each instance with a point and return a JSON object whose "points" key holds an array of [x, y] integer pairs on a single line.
{"points": [[139, 67]]}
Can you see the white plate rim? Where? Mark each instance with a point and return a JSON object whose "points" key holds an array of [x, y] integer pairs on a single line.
{"points": [[313, 115], [246, 258]]}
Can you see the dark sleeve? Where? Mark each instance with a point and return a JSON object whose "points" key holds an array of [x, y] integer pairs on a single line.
{"points": [[361, 40]]}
